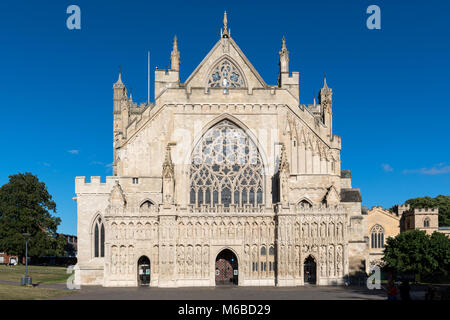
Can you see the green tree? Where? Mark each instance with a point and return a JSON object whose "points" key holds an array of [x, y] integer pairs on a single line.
{"points": [[440, 247], [442, 202], [24, 207], [410, 251]]}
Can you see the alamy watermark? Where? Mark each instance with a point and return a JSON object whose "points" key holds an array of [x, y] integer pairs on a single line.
{"points": [[374, 280], [374, 20], [74, 20], [70, 281]]}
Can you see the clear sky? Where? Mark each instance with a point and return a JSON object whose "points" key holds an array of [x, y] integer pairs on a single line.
{"points": [[390, 86]]}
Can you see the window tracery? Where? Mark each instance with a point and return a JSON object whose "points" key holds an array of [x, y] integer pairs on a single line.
{"points": [[226, 75], [377, 234], [99, 238], [226, 168]]}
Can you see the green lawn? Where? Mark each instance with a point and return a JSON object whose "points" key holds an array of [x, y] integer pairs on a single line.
{"points": [[14, 292], [39, 274]]}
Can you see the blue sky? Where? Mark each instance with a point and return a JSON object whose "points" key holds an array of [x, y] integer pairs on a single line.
{"points": [[390, 86]]}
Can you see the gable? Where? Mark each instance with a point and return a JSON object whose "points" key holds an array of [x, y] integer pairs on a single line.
{"points": [[225, 51]]}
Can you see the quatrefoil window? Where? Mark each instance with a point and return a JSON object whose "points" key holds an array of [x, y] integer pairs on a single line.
{"points": [[226, 75]]}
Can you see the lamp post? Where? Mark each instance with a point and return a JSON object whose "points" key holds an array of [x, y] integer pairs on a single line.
{"points": [[26, 280]]}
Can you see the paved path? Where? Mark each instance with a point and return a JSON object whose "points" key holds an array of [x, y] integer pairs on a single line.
{"points": [[226, 293]]}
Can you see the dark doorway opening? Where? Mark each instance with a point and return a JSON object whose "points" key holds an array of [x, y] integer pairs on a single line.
{"points": [[226, 268], [310, 270], [143, 271]]}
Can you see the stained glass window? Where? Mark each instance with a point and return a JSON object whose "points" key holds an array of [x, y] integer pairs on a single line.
{"points": [[226, 75], [226, 168]]}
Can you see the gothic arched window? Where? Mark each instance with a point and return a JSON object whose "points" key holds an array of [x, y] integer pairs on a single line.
{"points": [[226, 75], [226, 168], [147, 205], [99, 238], [263, 251], [305, 203], [377, 234], [271, 251], [426, 223]]}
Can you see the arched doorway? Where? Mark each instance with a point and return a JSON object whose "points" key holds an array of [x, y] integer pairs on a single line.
{"points": [[226, 268], [309, 270], [143, 271]]}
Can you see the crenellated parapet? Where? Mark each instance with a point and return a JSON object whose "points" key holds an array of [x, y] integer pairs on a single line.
{"points": [[95, 186]]}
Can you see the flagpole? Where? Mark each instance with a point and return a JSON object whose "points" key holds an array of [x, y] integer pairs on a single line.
{"points": [[148, 71]]}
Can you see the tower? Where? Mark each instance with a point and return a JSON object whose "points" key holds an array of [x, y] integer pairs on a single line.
{"points": [[120, 114], [286, 81]]}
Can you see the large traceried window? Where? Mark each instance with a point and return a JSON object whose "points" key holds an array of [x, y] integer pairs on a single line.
{"points": [[377, 234], [226, 168], [226, 75]]}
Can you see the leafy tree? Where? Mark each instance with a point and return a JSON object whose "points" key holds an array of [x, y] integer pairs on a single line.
{"points": [[442, 202], [24, 207], [440, 247], [410, 251], [415, 251]]}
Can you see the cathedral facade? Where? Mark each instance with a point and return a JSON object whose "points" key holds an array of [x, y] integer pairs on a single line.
{"points": [[223, 179]]}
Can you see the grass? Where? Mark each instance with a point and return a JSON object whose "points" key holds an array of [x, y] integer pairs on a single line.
{"points": [[15, 292], [39, 274]]}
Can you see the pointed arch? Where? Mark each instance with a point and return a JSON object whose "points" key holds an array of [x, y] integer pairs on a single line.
{"points": [[98, 236], [238, 123], [306, 202], [377, 237], [225, 68], [147, 204], [226, 167]]}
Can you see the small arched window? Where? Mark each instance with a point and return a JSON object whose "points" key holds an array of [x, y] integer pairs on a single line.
{"points": [[99, 238], [271, 251], [426, 223], [305, 203], [377, 237], [263, 251], [146, 205]]}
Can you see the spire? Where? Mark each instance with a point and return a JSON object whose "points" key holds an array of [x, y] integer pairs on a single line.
{"points": [[284, 57], [225, 33], [283, 44], [325, 86], [175, 43], [175, 56], [168, 168], [119, 83]]}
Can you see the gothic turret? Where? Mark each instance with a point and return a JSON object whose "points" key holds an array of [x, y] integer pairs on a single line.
{"points": [[120, 93], [121, 116], [284, 58], [325, 99], [165, 79], [289, 82]]}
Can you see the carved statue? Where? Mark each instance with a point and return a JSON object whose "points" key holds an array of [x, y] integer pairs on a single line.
{"points": [[323, 261], [130, 259], [331, 261], [205, 260], [339, 260]]}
